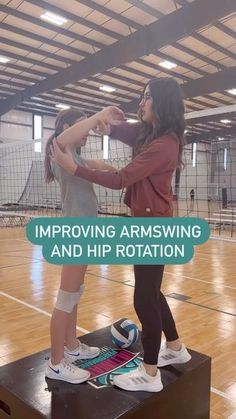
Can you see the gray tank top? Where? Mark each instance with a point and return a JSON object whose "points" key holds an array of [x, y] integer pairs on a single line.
{"points": [[78, 198]]}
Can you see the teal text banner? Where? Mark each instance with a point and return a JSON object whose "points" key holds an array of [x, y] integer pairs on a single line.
{"points": [[146, 241]]}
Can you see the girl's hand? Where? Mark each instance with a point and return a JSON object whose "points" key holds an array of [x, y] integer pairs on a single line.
{"points": [[111, 115], [102, 128], [63, 158]]}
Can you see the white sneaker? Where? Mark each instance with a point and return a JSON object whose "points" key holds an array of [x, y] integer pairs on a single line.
{"points": [[139, 380], [82, 352], [169, 357], [66, 372]]}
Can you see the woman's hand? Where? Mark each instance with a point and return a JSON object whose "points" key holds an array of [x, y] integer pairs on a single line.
{"points": [[63, 158]]}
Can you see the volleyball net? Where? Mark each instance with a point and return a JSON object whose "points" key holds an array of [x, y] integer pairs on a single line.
{"points": [[24, 192], [206, 187]]}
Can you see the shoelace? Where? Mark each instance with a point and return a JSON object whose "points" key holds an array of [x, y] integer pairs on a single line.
{"points": [[69, 367], [136, 371], [83, 347]]}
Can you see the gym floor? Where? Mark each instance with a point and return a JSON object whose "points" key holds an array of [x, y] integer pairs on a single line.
{"points": [[201, 294]]}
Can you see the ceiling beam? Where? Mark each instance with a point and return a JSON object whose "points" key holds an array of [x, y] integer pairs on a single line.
{"points": [[91, 97], [76, 51], [73, 100], [225, 29], [204, 40], [146, 8], [34, 109], [108, 12], [211, 83], [17, 76], [155, 67], [51, 108], [6, 90], [75, 18], [142, 42], [31, 61], [181, 2], [192, 116], [94, 91], [197, 55], [41, 23], [180, 63], [12, 83], [213, 135], [38, 51], [51, 101], [78, 87], [43, 40], [141, 61], [29, 70], [59, 58], [39, 112]]}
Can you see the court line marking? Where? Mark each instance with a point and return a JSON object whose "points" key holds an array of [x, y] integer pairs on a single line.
{"points": [[39, 310], [130, 282], [166, 272], [200, 280], [3, 240], [21, 256], [19, 264], [203, 306], [222, 394], [187, 301], [226, 239]]}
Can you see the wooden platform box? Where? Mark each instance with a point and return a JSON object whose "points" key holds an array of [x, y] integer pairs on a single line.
{"points": [[24, 393]]}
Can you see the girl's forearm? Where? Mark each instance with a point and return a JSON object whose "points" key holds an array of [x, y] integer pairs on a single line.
{"points": [[75, 134]]}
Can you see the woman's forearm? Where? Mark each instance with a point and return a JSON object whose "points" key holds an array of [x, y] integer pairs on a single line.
{"points": [[75, 134], [100, 165]]}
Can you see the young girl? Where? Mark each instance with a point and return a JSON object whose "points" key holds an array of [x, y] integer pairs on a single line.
{"points": [[157, 143], [78, 200]]}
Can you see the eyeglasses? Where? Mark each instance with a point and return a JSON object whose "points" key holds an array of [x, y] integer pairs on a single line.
{"points": [[145, 97]]}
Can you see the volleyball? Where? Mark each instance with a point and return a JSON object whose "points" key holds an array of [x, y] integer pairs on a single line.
{"points": [[124, 333]]}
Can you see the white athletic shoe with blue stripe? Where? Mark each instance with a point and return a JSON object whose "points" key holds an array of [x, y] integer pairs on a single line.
{"points": [[65, 371], [82, 352]]}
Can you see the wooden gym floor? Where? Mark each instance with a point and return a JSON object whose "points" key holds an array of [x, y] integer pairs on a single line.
{"points": [[202, 295]]}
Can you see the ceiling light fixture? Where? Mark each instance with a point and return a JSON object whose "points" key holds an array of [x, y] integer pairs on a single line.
{"points": [[168, 64], [108, 89], [232, 91], [62, 106], [132, 121], [4, 60], [225, 121], [53, 18]]}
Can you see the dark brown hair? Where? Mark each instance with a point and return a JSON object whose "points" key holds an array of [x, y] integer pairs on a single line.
{"points": [[68, 116], [168, 109]]}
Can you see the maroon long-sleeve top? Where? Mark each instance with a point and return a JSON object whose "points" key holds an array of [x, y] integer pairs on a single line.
{"points": [[147, 177]]}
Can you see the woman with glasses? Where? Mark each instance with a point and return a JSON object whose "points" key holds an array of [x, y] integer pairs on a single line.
{"points": [[157, 142]]}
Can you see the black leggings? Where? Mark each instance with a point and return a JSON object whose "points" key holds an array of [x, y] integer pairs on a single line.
{"points": [[152, 310]]}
